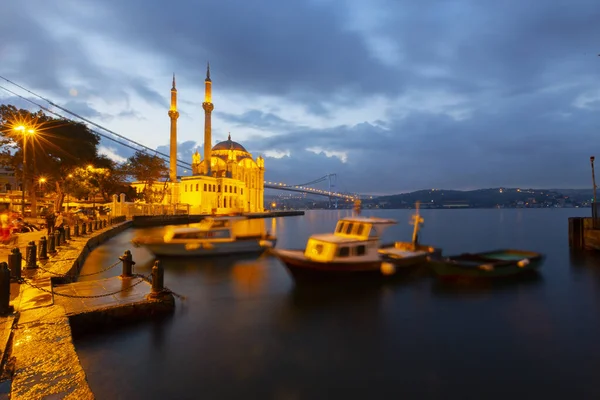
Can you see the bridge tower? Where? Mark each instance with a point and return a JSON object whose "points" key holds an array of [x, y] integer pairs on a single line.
{"points": [[208, 107], [173, 115], [332, 186]]}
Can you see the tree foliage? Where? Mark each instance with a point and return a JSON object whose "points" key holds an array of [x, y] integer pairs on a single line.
{"points": [[152, 171], [60, 151]]}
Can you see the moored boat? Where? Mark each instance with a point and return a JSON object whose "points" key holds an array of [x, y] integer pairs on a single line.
{"points": [[213, 236], [490, 264], [353, 249]]}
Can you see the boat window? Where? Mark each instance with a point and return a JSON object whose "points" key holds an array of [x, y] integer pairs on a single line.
{"points": [[343, 252], [360, 229], [360, 250], [373, 232], [186, 188], [196, 187], [340, 227], [319, 249], [205, 187], [349, 228]]}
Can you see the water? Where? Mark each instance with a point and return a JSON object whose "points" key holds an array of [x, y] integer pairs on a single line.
{"points": [[246, 331]]}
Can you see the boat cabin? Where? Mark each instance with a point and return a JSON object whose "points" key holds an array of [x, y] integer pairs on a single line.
{"points": [[218, 228], [353, 237]]}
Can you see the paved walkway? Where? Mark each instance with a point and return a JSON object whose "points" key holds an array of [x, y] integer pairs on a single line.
{"points": [[44, 357]]}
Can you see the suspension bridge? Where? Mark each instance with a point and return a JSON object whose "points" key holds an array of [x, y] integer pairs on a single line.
{"points": [[330, 179]]}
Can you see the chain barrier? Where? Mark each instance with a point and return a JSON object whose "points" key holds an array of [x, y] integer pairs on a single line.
{"points": [[33, 285], [78, 276], [165, 289]]}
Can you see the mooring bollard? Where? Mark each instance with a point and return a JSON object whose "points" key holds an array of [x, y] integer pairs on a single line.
{"points": [[128, 263], [76, 230], [14, 263], [57, 238], [158, 278], [51, 244], [62, 236], [104, 223], [5, 307], [95, 224], [83, 227], [67, 233], [30, 255], [90, 230], [110, 221], [43, 249]]}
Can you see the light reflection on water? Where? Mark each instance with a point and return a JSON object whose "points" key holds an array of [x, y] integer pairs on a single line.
{"points": [[246, 330]]}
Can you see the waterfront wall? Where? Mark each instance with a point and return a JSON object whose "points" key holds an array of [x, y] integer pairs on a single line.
{"points": [[144, 221], [583, 234]]}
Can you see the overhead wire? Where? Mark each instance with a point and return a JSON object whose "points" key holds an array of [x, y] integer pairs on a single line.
{"points": [[180, 163]]}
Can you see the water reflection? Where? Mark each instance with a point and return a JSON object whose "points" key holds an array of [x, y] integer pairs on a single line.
{"points": [[485, 288]]}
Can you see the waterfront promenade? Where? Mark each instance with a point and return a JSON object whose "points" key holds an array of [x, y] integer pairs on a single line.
{"points": [[38, 355]]}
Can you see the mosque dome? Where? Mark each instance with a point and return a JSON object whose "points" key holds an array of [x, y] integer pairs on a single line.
{"points": [[229, 145]]}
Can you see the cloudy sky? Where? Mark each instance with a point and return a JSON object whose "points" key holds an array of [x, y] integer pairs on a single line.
{"points": [[391, 95]]}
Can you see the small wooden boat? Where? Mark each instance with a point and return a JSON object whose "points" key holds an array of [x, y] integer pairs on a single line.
{"points": [[353, 249], [491, 264], [213, 236]]}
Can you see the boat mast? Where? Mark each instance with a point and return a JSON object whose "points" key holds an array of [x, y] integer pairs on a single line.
{"points": [[416, 221]]}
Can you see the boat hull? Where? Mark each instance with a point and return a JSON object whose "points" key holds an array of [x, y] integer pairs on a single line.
{"points": [[496, 264], [208, 249], [302, 268]]}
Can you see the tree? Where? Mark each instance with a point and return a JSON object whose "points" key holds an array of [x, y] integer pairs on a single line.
{"points": [[149, 170], [58, 147]]}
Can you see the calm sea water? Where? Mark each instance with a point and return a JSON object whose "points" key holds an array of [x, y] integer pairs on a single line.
{"points": [[246, 331]]}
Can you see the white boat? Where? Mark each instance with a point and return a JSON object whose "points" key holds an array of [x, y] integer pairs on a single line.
{"points": [[353, 249], [212, 236]]}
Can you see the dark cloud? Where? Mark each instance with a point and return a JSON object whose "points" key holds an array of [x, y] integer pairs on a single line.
{"points": [[256, 119], [84, 109], [513, 70]]}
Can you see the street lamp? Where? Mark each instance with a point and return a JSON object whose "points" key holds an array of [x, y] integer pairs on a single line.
{"points": [[25, 132]]}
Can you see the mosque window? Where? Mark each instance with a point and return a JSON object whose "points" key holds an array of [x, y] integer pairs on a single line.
{"points": [[225, 187], [235, 189], [214, 187], [219, 187]]}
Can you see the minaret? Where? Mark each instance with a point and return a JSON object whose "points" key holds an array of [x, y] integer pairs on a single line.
{"points": [[173, 114], [208, 107]]}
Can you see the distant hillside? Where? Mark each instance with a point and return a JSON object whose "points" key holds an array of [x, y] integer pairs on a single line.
{"points": [[484, 198]]}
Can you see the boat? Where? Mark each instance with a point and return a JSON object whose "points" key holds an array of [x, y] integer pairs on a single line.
{"points": [[212, 236], [404, 254], [490, 264], [353, 249]]}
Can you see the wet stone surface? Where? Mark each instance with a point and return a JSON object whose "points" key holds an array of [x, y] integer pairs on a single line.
{"points": [[46, 364]]}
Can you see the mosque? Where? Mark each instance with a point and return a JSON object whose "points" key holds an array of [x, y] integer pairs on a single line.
{"points": [[226, 180]]}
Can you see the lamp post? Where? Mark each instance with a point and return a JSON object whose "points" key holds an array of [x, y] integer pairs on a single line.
{"points": [[67, 188], [24, 131]]}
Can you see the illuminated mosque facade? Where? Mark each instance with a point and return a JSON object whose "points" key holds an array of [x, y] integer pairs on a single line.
{"points": [[225, 180]]}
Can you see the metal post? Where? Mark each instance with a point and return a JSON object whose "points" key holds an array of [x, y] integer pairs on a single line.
{"points": [[43, 250], [5, 307], [67, 233], [57, 238], [83, 227], [128, 264], [51, 244], [14, 263], [30, 255], [95, 224], [62, 235], [76, 230], [90, 230], [158, 279]]}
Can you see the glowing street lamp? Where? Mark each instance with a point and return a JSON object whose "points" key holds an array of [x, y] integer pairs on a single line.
{"points": [[25, 132]]}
